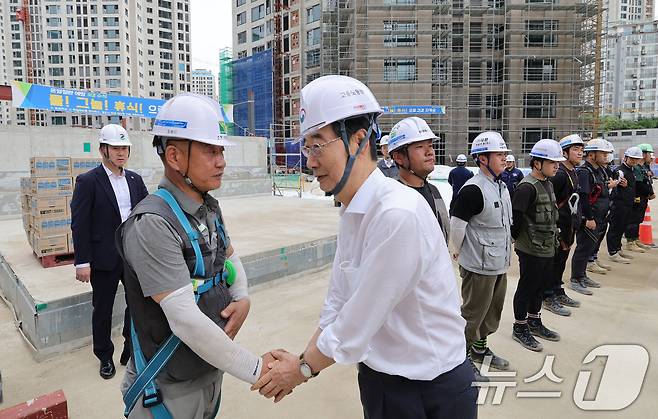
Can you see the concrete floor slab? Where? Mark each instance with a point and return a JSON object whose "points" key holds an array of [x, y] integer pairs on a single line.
{"points": [[255, 224], [270, 233], [285, 312]]}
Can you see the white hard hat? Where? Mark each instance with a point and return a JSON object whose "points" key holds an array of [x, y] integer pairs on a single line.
{"points": [[409, 130], [569, 140], [598, 144], [383, 140], [461, 158], [115, 135], [192, 117], [333, 98], [510, 158], [547, 149], [489, 142], [634, 153], [611, 148]]}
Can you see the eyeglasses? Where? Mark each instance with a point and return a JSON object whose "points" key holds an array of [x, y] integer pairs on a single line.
{"points": [[315, 150]]}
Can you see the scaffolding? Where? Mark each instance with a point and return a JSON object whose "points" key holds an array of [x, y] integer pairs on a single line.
{"points": [[525, 68], [252, 94], [226, 80], [286, 164]]}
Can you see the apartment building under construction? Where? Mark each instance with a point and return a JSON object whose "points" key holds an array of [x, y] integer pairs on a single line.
{"points": [[522, 67]]}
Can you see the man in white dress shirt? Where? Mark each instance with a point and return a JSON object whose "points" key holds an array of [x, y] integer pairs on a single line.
{"points": [[102, 199], [393, 301]]}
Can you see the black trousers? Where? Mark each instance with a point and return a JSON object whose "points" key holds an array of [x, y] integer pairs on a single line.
{"points": [[535, 275], [554, 287], [448, 396], [602, 230], [587, 243], [104, 289], [619, 216], [635, 218]]}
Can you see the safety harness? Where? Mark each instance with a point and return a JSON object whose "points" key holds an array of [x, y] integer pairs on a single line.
{"points": [[145, 383]]}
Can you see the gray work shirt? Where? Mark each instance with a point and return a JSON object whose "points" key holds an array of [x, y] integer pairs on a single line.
{"points": [[153, 247]]}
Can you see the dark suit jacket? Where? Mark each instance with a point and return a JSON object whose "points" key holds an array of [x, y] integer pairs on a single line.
{"points": [[95, 217]]}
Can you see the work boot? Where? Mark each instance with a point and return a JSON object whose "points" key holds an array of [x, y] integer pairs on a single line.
{"points": [[537, 328], [619, 259], [521, 333], [579, 286], [632, 247], [476, 372], [594, 268], [642, 245], [496, 361], [626, 255], [603, 265], [565, 300], [590, 283], [551, 304]]}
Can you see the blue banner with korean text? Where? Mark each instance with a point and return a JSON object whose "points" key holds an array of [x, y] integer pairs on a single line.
{"points": [[36, 96]]}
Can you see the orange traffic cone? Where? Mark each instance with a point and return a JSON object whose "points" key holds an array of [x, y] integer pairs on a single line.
{"points": [[646, 235]]}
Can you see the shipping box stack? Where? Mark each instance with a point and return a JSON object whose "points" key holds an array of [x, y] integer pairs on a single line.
{"points": [[45, 201]]}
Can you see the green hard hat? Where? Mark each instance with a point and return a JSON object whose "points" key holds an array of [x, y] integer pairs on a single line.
{"points": [[646, 148]]}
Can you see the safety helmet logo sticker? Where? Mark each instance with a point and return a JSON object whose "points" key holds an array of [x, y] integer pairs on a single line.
{"points": [[302, 115], [170, 123]]}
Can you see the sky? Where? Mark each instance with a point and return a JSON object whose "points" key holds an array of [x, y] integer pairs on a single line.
{"points": [[211, 28]]}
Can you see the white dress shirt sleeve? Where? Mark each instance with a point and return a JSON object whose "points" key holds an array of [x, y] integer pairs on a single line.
{"points": [[390, 269], [336, 295]]}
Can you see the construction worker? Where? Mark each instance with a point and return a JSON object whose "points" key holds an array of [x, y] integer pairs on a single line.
{"points": [[481, 243], [174, 244], [594, 204], [459, 175], [387, 164], [392, 306], [623, 199], [511, 176], [565, 187], [610, 181], [643, 193], [534, 228], [102, 199], [411, 145]]}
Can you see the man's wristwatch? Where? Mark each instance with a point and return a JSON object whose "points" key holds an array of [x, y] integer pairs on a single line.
{"points": [[305, 369]]}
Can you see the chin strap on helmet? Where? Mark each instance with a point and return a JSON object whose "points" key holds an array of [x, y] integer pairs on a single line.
{"points": [[352, 158], [496, 178], [409, 169], [188, 181]]}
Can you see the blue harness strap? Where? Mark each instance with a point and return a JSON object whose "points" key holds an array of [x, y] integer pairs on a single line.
{"points": [[192, 234], [146, 372]]}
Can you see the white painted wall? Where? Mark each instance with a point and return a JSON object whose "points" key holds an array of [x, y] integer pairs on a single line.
{"points": [[245, 174]]}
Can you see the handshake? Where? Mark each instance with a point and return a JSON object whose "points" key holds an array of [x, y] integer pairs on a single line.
{"points": [[280, 374]]}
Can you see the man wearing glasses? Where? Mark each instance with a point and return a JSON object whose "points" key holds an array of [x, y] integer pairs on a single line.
{"points": [[393, 303]]}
